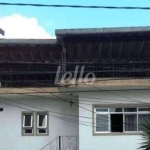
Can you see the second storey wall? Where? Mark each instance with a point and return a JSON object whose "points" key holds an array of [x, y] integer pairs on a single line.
{"points": [[87, 140], [10, 124]]}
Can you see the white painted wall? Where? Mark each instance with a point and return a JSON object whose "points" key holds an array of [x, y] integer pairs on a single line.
{"points": [[10, 122], [87, 141]]}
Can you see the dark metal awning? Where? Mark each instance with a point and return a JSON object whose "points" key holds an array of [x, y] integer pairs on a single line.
{"points": [[96, 51], [106, 43]]}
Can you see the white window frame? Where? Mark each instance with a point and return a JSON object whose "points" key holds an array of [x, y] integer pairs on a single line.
{"points": [[34, 123], [46, 127], [24, 121], [102, 113], [27, 127], [38, 121], [123, 112]]}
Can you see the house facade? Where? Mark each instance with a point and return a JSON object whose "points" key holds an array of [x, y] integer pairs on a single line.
{"points": [[116, 113], [33, 112], [22, 116], [88, 89]]}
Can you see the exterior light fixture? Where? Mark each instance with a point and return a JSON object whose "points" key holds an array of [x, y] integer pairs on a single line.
{"points": [[1, 109]]}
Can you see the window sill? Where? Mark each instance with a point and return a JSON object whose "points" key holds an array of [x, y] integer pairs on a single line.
{"points": [[117, 133], [25, 134], [46, 134]]}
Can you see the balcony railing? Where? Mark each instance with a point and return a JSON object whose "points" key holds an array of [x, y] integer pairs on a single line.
{"points": [[62, 143]]}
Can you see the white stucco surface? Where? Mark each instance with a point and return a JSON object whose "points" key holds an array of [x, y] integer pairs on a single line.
{"points": [[10, 122], [88, 141]]}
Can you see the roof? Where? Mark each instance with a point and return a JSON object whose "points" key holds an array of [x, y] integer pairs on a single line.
{"points": [[28, 41], [29, 50], [85, 31]]}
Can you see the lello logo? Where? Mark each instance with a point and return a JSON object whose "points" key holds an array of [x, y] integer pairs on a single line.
{"points": [[75, 77]]}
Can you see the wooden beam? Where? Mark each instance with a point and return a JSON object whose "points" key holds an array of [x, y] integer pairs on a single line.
{"points": [[41, 54], [141, 49], [32, 57], [78, 51], [21, 54], [89, 50], [131, 46], [120, 50], [2, 56], [148, 54], [69, 51], [12, 56], [100, 50], [51, 56], [110, 50]]}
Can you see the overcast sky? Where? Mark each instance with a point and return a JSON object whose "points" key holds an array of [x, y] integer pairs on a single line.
{"points": [[35, 22]]}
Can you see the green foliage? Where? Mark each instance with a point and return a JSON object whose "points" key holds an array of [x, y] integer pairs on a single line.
{"points": [[145, 126]]}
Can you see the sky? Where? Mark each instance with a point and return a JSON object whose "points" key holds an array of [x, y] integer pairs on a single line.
{"points": [[41, 22]]}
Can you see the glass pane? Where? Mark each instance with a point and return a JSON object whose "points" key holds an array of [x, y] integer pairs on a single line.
{"points": [[144, 109], [28, 130], [115, 109], [102, 122], [116, 122], [130, 109], [27, 121], [131, 122], [142, 118], [42, 121], [42, 130], [101, 109]]}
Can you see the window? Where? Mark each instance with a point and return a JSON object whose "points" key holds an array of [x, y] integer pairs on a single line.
{"points": [[119, 120], [34, 121], [42, 123], [27, 123]]}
